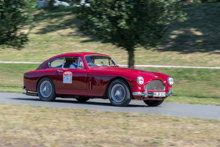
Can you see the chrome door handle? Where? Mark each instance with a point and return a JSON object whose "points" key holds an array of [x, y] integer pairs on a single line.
{"points": [[59, 71]]}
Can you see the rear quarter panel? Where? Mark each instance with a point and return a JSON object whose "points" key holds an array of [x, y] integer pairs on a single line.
{"points": [[31, 78]]}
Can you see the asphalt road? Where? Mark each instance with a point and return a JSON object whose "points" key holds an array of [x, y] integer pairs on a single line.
{"points": [[172, 109]]}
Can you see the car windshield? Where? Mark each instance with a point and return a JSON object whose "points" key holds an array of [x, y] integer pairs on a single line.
{"points": [[97, 60]]}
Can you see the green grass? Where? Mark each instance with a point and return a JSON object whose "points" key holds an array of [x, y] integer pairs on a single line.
{"points": [[201, 83], [193, 42], [22, 125], [196, 86], [194, 100], [11, 77]]}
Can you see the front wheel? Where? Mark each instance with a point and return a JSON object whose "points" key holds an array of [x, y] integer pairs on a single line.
{"points": [[46, 89], [119, 93], [153, 102]]}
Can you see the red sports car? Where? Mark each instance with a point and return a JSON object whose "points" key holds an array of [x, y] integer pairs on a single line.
{"points": [[92, 75]]}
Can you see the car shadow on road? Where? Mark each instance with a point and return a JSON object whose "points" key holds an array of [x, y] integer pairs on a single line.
{"points": [[73, 101]]}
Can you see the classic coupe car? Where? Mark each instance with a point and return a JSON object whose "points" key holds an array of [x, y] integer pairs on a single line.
{"points": [[92, 75]]}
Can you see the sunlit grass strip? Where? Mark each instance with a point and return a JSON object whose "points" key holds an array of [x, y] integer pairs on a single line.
{"points": [[196, 86], [34, 126]]}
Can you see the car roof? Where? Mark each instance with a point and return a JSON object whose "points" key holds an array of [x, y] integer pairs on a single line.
{"points": [[81, 54]]}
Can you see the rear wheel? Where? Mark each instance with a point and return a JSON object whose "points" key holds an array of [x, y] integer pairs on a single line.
{"points": [[153, 102], [46, 90], [119, 93], [82, 99]]}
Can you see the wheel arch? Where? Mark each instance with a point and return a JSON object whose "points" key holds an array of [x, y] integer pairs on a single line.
{"points": [[121, 78]]}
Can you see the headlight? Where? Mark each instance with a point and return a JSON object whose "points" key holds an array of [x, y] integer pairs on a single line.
{"points": [[140, 80], [170, 81]]}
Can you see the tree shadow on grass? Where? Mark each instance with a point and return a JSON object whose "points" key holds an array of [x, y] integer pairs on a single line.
{"points": [[200, 33], [60, 18]]}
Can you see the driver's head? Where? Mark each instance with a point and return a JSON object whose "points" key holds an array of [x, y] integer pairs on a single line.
{"points": [[76, 60]]}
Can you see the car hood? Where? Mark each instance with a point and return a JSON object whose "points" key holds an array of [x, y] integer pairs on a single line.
{"points": [[127, 72]]}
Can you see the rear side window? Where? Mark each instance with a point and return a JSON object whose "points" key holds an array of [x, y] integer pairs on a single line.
{"points": [[57, 63]]}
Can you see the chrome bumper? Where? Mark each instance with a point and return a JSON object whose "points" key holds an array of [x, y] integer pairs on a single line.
{"points": [[149, 94], [144, 94]]}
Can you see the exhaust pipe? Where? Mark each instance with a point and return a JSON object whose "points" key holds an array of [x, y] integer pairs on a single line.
{"points": [[30, 93]]}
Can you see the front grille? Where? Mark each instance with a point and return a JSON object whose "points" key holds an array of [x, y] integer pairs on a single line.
{"points": [[155, 85]]}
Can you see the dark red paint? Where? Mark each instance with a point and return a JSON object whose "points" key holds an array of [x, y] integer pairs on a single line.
{"points": [[93, 81]]}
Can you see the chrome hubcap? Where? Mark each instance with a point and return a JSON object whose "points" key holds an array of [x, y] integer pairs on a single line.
{"points": [[118, 93], [45, 89]]}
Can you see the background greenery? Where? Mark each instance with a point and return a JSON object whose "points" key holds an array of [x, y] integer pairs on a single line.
{"points": [[193, 43], [14, 18], [129, 24]]}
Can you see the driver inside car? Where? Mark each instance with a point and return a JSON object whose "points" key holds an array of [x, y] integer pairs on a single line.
{"points": [[74, 64]]}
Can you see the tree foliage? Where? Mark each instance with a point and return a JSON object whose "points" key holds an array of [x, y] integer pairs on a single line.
{"points": [[14, 15], [129, 23]]}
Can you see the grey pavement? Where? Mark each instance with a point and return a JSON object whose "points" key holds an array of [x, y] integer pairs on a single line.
{"points": [[172, 109]]}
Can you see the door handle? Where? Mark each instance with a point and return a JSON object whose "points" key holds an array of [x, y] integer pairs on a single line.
{"points": [[59, 71]]}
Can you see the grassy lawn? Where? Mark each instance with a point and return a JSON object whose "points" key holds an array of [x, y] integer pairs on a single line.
{"points": [[196, 86], [11, 77], [22, 125], [193, 42]]}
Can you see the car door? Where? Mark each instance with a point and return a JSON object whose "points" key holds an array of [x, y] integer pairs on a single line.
{"points": [[71, 81]]}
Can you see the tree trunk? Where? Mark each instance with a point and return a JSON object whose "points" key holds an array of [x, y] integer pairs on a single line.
{"points": [[131, 58]]}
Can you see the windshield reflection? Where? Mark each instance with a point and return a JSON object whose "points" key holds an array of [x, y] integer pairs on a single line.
{"points": [[97, 60]]}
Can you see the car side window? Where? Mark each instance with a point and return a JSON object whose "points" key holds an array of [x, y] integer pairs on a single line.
{"points": [[57, 63], [73, 63], [80, 63]]}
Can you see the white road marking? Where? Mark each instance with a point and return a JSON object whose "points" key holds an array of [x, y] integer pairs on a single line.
{"points": [[20, 62], [172, 66], [158, 66]]}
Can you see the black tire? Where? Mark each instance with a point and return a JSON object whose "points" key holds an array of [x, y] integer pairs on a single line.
{"points": [[46, 89], [82, 99], [119, 93], [153, 102]]}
